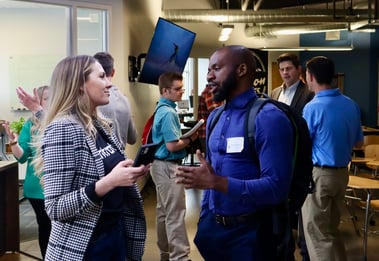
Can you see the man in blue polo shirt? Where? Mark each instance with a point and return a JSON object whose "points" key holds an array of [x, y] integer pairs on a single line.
{"points": [[171, 205], [239, 193], [335, 127]]}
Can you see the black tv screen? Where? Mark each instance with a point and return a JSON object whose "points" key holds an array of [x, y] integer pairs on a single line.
{"points": [[168, 52]]}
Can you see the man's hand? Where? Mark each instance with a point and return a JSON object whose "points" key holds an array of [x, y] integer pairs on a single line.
{"points": [[202, 177]]}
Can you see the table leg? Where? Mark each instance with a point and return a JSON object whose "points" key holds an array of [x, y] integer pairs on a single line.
{"points": [[374, 173], [365, 232]]}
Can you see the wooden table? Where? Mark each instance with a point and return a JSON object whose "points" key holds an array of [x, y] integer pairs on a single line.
{"points": [[370, 131], [356, 160], [367, 185]]}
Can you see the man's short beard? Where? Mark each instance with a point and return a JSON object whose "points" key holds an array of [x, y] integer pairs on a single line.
{"points": [[225, 88], [219, 95]]}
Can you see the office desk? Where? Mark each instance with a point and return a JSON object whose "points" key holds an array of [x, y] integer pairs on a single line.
{"points": [[367, 185], [184, 114], [9, 207]]}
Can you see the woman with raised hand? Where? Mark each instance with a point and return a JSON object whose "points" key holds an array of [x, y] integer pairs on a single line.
{"points": [[24, 151]]}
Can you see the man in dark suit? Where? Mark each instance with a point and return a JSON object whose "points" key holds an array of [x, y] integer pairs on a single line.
{"points": [[293, 91], [296, 94]]}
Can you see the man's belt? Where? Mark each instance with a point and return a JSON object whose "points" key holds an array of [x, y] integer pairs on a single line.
{"points": [[328, 167], [236, 220]]}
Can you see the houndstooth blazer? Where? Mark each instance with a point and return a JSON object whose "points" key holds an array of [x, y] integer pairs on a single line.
{"points": [[71, 162]]}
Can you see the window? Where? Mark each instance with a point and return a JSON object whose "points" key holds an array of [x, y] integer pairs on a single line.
{"points": [[32, 47], [195, 79], [202, 71], [91, 28], [188, 76]]}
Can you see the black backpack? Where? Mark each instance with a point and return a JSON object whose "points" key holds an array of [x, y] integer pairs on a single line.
{"points": [[301, 182]]}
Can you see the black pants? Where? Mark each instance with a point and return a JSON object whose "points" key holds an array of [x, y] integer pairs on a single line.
{"points": [[44, 223]]}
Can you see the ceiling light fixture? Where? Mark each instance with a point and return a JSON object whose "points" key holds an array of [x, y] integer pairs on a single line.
{"points": [[308, 48], [226, 30]]}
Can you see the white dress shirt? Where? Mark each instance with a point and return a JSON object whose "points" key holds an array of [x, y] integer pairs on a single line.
{"points": [[287, 93]]}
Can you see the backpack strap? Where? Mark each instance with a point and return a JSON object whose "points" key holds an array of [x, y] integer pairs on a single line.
{"points": [[212, 123], [253, 108], [147, 135], [215, 118], [158, 106]]}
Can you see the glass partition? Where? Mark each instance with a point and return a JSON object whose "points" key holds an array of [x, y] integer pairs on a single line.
{"points": [[31, 47], [91, 29], [36, 36]]}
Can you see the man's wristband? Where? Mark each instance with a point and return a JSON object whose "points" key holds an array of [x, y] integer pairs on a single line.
{"points": [[11, 143]]}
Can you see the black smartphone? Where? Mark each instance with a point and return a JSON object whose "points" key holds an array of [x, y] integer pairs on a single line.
{"points": [[145, 154]]}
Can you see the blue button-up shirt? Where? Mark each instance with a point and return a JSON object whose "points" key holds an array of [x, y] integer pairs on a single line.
{"points": [[250, 187], [334, 125]]}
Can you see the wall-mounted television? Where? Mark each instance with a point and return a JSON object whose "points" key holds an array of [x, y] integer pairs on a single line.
{"points": [[169, 50]]}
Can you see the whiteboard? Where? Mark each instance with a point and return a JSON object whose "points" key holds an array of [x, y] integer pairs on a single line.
{"points": [[29, 71]]}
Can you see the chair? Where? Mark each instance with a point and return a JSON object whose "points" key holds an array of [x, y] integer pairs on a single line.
{"points": [[355, 201], [350, 197], [372, 151], [370, 139], [374, 207]]}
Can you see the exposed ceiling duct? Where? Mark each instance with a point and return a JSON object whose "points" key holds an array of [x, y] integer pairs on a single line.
{"points": [[275, 30], [276, 16], [271, 22], [262, 30]]}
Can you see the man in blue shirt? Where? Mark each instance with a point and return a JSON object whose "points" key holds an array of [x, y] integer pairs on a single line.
{"points": [[171, 205], [239, 193], [335, 127]]}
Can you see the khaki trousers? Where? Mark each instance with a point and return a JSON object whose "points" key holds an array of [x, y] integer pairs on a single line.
{"points": [[322, 214], [170, 212]]}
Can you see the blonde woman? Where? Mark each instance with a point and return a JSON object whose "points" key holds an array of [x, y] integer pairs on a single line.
{"points": [[23, 150], [90, 190]]}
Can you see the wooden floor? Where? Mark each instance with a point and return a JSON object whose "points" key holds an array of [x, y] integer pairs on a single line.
{"points": [[29, 244]]}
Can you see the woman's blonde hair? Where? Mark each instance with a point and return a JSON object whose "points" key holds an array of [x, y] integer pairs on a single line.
{"points": [[67, 97]]}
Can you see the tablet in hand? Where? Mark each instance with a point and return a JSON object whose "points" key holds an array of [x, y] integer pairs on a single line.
{"points": [[145, 154]]}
